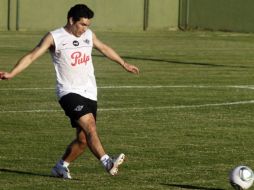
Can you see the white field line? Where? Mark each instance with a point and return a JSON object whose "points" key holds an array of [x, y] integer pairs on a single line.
{"points": [[142, 108], [180, 86], [24, 89], [180, 106]]}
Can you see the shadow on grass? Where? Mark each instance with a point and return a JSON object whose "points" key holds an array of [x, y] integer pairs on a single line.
{"points": [[178, 62], [190, 187], [30, 173]]}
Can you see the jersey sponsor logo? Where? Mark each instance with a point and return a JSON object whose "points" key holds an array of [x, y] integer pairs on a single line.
{"points": [[79, 58], [75, 43]]}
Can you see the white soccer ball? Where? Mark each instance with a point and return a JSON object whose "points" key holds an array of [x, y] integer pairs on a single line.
{"points": [[241, 177]]}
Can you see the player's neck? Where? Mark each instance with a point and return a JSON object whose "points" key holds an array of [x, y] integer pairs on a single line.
{"points": [[67, 28]]}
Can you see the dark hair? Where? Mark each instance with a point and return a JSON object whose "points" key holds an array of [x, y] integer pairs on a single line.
{"points": [[80, 11]]}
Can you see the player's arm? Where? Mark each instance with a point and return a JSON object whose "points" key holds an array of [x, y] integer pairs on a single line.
{"points": [[111, 54], [29, 58]]}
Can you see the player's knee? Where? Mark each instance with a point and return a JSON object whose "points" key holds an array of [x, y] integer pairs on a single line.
{"points": [[82, 142], [87, 124], [92, 129]]}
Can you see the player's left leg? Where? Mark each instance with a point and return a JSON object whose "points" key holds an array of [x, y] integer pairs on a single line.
{"points": [[88, 125]]}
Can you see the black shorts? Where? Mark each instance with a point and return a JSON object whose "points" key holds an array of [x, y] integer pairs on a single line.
{"points": [[76, 106]]}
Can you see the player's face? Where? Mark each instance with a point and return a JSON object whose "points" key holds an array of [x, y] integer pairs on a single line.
{"points": [[79, 27]]}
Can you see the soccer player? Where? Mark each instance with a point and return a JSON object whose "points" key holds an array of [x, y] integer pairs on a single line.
{"points": [[71, 47]]}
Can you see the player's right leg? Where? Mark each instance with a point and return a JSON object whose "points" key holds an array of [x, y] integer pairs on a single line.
{"points": [[73, 151], [76, 148]]}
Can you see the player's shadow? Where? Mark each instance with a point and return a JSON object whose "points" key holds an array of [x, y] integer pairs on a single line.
{"points": [[23, 172], [178, 62], [190, 187], [28, 173]]}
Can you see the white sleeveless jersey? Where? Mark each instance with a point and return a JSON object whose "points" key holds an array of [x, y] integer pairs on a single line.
{"points": [[73, 64]]}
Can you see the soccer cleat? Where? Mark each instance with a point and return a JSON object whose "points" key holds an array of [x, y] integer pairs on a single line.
{"points": [[114, 163], [60, 171]]}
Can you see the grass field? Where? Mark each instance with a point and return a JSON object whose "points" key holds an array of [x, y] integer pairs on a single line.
{"points": [[183, 123]]}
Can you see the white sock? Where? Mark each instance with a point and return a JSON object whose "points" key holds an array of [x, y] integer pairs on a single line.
{"points": [[104, 160], [64, 163]]}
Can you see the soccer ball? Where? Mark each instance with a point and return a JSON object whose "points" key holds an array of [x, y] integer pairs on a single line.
{"points": [[241, 177]]}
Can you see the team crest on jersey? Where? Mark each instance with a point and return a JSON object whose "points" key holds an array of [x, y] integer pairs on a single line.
{"points": [[86, 41], [75, 43]]}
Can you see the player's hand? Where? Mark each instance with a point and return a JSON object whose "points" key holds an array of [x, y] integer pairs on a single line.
{"points": [[1, 75], [5, 75], [131, 68]]}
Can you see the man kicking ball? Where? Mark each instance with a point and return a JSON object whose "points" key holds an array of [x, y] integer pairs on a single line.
{"points": [[71, 47]]}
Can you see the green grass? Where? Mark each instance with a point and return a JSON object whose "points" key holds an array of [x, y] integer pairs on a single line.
{"points": [[178, 129]]}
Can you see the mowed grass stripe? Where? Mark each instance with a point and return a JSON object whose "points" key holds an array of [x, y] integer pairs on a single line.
{"points": [[142, 108]]}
